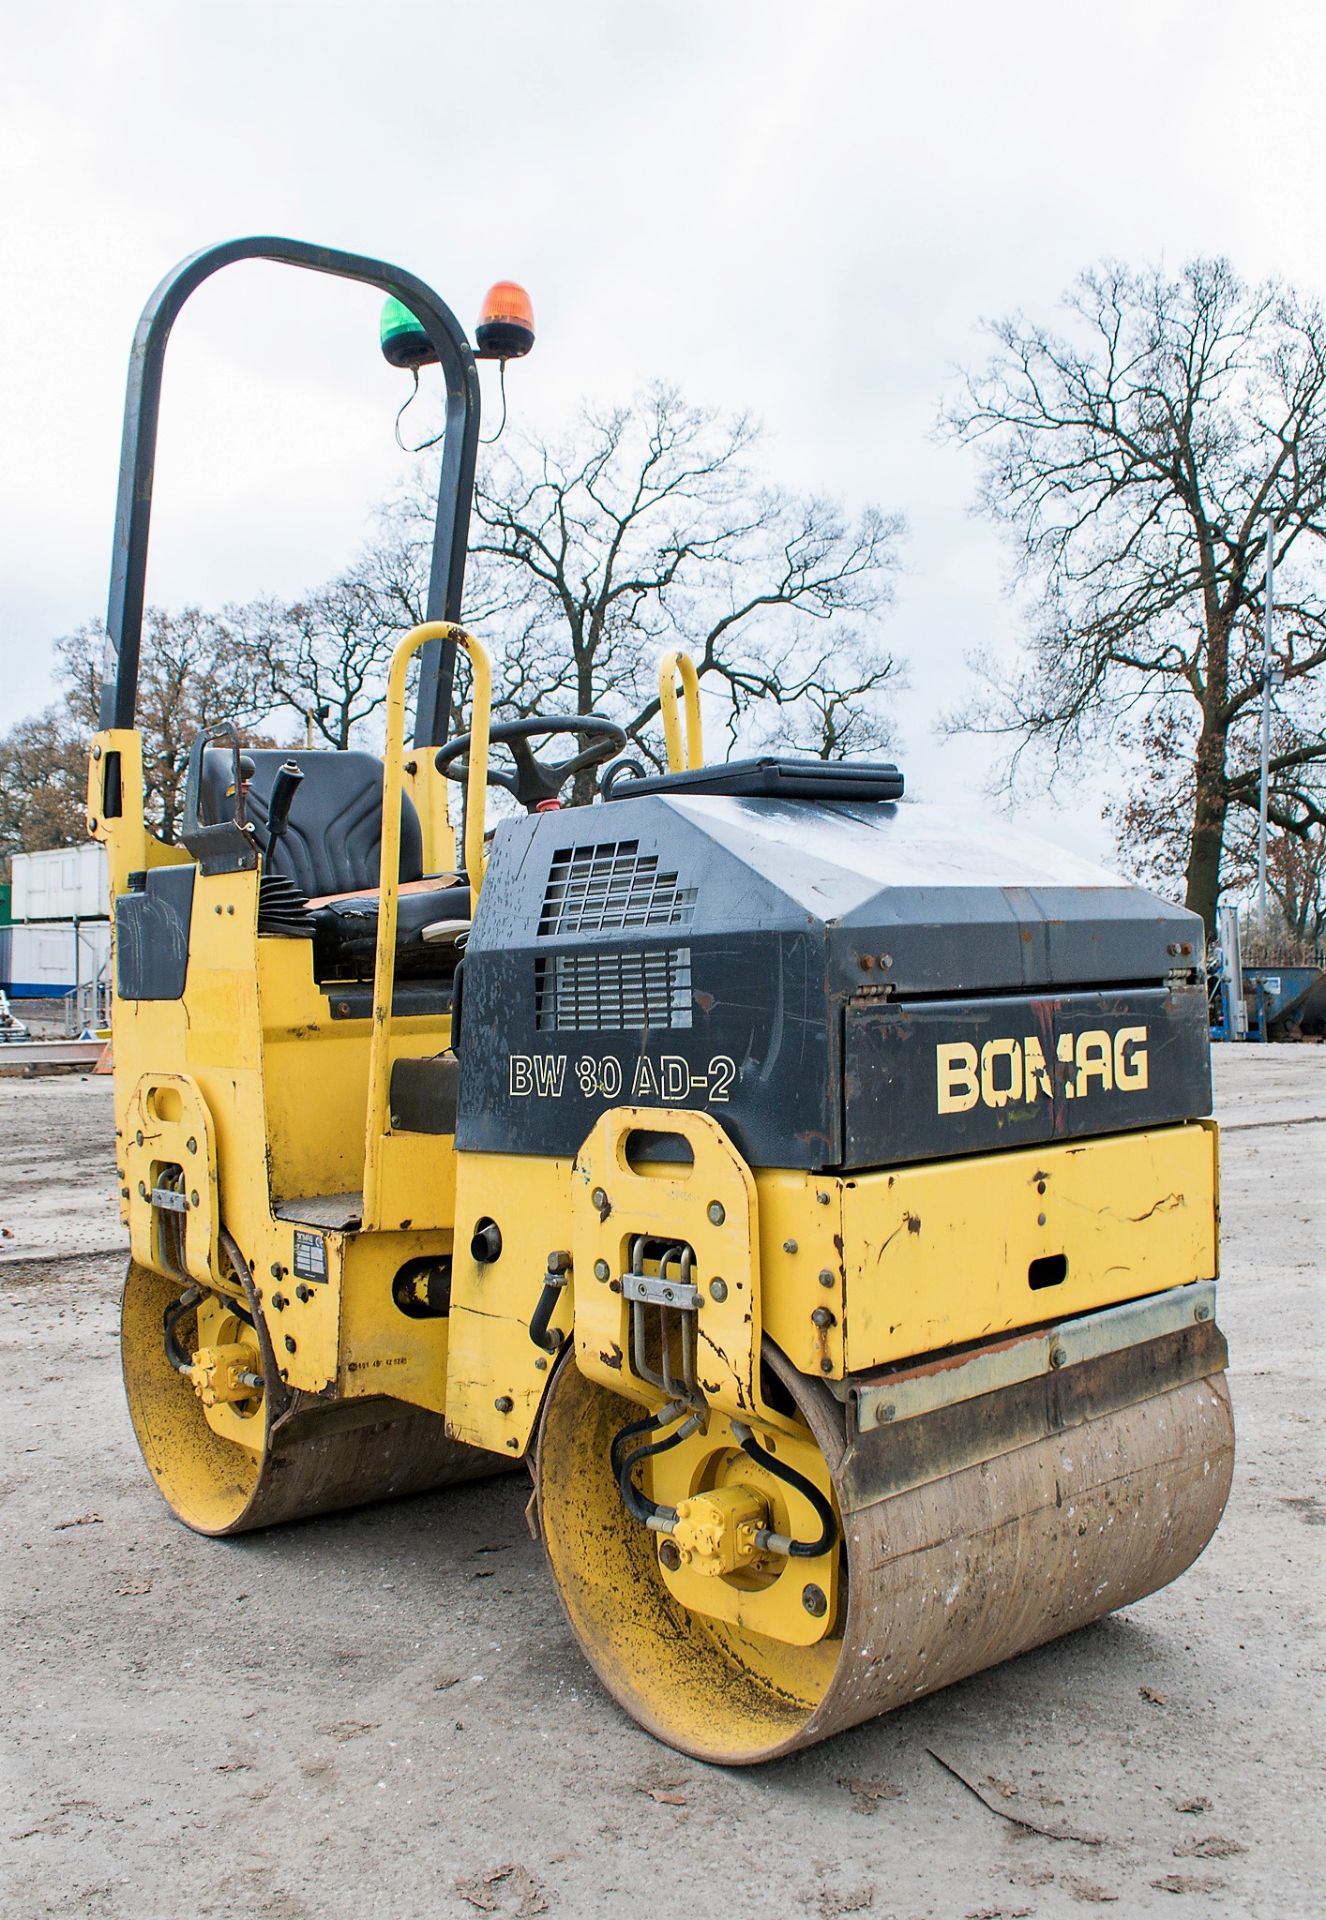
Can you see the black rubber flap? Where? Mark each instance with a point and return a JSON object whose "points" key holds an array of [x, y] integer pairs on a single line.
{"points": [[771, 778], [424, 1094], [152, 935]]}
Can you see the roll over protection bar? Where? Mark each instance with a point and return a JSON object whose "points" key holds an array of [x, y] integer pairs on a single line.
{"points": [[124, 619]]}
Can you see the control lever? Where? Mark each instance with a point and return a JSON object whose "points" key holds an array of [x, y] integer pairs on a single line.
{"points": [[284, 788]]}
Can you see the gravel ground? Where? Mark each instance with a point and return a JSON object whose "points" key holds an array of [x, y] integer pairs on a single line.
{"points": [[383, 1713]]}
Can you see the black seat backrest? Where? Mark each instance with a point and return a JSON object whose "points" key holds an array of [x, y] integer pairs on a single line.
{"points": [[333, 841]]}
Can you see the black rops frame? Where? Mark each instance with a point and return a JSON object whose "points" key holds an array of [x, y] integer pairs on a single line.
{"points": [[133, 510]]}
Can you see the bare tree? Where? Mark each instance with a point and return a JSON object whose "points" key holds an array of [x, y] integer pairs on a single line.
{"points": [[43, 784], [836, 715], [1137, 462], [1296, 883], [1296, 876], [193, 673], [325, 658], [1152, 822], [649, 525]]}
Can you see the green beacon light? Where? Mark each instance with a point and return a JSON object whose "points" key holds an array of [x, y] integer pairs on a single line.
{"points": [[404, 342]]}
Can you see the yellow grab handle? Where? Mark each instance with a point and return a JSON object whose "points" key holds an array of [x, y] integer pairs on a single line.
{"points": [[476, 780], [389, 870], [691, 752]]}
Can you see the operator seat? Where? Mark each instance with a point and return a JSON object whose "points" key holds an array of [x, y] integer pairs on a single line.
{"points": [[331, 850]]}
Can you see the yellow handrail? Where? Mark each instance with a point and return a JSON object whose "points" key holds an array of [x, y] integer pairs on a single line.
{"points": [[389, 870], [690, 752]]}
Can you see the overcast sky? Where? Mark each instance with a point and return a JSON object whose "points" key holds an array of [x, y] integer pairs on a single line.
{"points": [[800, 209]]}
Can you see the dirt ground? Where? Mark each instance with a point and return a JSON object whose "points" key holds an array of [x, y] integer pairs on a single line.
{"points": [[383, 1713]]}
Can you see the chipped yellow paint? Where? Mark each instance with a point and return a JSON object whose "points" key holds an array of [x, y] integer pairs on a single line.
{"points": [[496, 1376], [765, 1598], [802, 1267], [938, 1255], [274, 1091], [286, 1101], [710, 1206], [389, 1169], [168, 1138]]}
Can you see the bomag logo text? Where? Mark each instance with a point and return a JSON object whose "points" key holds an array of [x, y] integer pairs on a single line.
{"points": [[1004, 1071]]}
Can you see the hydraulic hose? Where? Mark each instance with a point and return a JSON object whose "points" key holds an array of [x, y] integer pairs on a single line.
{"points": [[648, 1512], [541, 1331], [174, 1313], [779, 1542], [637, 1427], [178, 1309]]}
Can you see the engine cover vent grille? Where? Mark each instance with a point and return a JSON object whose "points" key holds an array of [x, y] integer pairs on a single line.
{"points": [[612, 992], [599, 889]]}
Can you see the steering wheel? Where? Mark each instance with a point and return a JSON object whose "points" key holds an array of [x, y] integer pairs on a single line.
{"points": [[537, 782]]}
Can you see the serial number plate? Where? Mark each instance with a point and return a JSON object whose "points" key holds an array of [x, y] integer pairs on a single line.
{"points": [[310, 1261]]}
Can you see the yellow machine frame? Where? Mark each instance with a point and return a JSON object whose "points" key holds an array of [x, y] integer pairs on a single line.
{"points": [[269, 1107], [263, 1118], [798, 1438]]}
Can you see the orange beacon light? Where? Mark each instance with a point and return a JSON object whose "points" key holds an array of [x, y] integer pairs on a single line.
{"points": [[506, 323]]}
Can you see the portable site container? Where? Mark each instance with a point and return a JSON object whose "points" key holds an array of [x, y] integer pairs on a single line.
{"points": [[66, 883], [50, 958]]}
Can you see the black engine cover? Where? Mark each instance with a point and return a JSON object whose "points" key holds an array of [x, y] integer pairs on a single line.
{"points": [[841, 985]]}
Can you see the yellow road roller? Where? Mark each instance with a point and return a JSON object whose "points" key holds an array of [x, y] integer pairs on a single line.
{"points": [[814, 1189]]}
